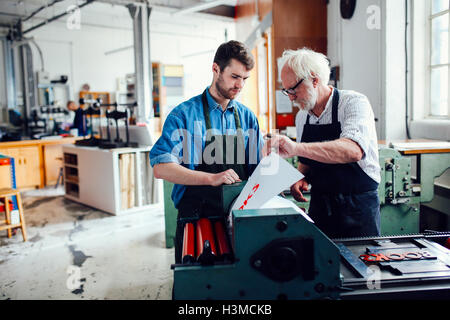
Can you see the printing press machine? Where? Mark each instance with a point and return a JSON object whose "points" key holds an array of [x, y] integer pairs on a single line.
{"points": [[408, 181], [276, 253]]}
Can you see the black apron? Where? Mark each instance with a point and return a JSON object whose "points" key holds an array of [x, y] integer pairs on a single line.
{"points": [[206, 201], [344, 199]]}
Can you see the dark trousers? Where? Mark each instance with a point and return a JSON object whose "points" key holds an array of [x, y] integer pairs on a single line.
{"points": [[346, 216], [179, 241]]}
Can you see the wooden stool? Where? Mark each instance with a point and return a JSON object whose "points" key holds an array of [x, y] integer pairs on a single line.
{"points": [[5, 195]]}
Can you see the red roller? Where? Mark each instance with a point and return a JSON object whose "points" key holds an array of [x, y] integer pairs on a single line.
{"points": [[222, 242], [188, 255], [206, 249]]}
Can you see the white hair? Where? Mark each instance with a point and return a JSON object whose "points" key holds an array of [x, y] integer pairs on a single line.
{"points": [[307, 63]]}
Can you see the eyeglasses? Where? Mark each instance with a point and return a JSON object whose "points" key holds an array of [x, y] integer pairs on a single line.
{"points": [[291, 91]]}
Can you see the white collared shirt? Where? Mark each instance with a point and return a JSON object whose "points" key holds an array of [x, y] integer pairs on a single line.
{"points": [[357, 123]]}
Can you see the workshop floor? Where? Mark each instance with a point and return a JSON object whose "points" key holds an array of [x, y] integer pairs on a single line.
{"points": [[77, 252]]}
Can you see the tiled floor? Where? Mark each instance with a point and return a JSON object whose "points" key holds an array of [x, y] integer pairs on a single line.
{"points": [[77, 252]]}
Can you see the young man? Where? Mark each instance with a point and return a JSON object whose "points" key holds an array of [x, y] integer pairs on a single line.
{"points": [[209, 140], [337, 147]]}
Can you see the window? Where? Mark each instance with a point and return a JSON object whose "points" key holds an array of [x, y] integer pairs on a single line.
{"points": [[439, 59]]}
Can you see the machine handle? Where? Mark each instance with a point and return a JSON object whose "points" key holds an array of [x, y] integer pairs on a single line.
{"points": [[206, 248]]}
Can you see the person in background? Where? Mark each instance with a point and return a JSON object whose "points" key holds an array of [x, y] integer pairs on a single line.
{"points": [[79, 121]]}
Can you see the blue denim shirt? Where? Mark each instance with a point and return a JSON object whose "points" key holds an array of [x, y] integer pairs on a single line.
{"points": [[184, 135]]}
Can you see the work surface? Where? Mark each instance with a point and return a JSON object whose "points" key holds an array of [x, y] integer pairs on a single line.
{"points": [[417, 146], [24, 143]]}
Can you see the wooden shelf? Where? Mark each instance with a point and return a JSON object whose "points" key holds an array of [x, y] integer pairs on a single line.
{"points": [[70, 165], [72, 189], [117, 181], [72, 179], [71, 174]]}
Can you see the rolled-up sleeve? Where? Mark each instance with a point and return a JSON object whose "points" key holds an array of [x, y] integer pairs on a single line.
{"points": [[358, 121], [167, 148]]}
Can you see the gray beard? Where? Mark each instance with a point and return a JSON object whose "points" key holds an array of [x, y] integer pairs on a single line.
{"points": [[309, 104], [306, 105]]}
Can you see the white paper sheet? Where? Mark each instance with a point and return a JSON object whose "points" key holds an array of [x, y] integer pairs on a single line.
{"points": [[279, 202], [271, 176]]}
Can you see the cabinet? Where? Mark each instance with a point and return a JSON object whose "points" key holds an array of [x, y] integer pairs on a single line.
{"points": [[117, 181], [53, 156], [5, 177], [27, 165], [28, 170], [37, 162]]}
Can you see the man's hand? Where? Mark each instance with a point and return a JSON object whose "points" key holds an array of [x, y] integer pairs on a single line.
{"points": [[297, 188], [285, 147], [176, 173], [226, 177]]}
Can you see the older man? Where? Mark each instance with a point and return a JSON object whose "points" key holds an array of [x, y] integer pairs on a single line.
{"points": [[337, 148]]}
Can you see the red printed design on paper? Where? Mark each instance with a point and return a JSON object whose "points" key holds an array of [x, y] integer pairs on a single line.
{"points": [[255, 187]]}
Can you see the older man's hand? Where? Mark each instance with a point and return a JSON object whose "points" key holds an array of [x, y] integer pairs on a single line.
{"points": [[297, 190], [283, 145]]}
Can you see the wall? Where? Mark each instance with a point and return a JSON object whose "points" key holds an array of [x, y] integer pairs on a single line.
{"points": [[82, 54], [395, 70], [357, 51], [373, 62], [369, 48]]}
